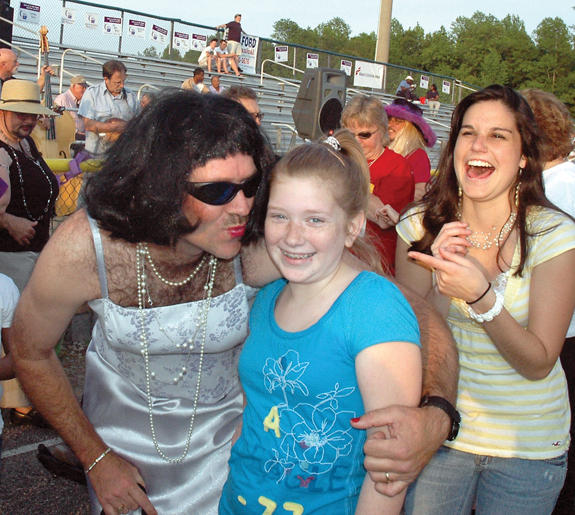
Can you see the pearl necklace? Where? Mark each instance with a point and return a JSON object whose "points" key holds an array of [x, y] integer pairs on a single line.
{"points": [[146, 251], [14, 157], [485, 240], [202, 324]]}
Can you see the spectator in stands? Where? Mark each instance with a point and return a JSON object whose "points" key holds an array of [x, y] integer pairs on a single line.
{"points": [[406, 89], [248, 98], [106, 108], [432, 97], [410, 134], [223, 56], [8, 64], [557, 133], [208, 55], [196, 82], [215, 85], [70, 100], [234, 36], [392, 183]]}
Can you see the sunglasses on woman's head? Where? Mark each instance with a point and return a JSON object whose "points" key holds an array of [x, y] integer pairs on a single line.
{"points": [[222, 192]]}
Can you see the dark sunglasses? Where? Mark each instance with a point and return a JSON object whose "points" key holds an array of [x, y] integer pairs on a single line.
{"points": [[220, 193], [366, 134]]}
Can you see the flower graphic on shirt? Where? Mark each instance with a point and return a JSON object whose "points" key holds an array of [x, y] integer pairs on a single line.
{"points": [[312, 437], [283, 463], [285, 373]]}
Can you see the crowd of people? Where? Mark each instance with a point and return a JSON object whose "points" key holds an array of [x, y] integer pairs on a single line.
{"points": [[263, 339]]}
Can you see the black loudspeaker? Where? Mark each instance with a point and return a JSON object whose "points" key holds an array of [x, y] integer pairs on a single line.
{"points": [[6, 28], [319, 103]]}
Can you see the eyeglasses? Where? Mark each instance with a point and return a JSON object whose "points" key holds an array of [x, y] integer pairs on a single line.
{"points": [[222, 192], [365, 134], [258, 116]]}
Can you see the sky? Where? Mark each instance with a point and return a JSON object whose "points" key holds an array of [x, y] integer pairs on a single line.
{"points": [[258, 16]]}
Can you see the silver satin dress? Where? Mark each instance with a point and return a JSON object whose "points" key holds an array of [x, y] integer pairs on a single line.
{"points": [[115, 398]]}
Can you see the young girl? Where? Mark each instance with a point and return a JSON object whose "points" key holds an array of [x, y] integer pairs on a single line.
{"points": [[326, 343]]}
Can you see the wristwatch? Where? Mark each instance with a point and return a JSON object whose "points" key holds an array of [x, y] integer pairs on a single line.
{"points": [[445, 405]]}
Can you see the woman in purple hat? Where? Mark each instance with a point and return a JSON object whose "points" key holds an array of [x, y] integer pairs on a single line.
{"points": [[410, 134]]}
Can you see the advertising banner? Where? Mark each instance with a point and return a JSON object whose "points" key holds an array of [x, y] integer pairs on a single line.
{"points": [[346, 67], [68, 15], [181, 41], [29, 13], [159, 34], [91, 20], [247, 61], [368, 75], [137, 28], [112, 26], [199, 42], [312, 60], [281, 54], [424, 82]]}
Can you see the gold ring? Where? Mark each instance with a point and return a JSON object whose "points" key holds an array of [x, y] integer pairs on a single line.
{"points": [[387, 478], [122, 509]]}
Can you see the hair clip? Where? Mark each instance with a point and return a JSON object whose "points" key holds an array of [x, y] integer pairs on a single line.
{"points": [[333, 143]]}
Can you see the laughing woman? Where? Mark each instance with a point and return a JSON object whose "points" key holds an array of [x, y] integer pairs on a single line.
{"points": [[498, 260]]}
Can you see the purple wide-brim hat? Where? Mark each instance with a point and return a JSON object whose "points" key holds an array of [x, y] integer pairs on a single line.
{"points": [[398, 111]]}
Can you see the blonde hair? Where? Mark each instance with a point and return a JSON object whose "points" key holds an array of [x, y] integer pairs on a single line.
{"points": [[366, 110], [408, 139], [347, 173]]}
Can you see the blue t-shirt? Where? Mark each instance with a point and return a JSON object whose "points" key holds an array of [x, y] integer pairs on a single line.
{"points": [[298, 452]]}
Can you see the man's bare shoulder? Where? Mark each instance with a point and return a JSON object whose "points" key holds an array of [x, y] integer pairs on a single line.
{"points": [[72, 241]]}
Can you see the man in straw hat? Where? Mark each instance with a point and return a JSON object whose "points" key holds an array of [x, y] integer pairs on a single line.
{"points": [[25, 221]]}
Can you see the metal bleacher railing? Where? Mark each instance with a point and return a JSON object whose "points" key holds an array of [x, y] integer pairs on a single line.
{"points": [[157, 63]]}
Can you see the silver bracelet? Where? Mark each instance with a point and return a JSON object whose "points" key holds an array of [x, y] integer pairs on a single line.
{"points": [[97, 460], [492, 313]]}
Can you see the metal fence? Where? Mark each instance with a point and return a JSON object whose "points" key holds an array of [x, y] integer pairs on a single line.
{"points": [[90, 25]]}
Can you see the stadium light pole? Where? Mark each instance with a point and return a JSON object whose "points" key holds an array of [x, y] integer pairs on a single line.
{"points": [[383, 31]]}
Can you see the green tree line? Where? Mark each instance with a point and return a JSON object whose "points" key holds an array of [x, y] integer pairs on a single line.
{"points": [[480, 50]]}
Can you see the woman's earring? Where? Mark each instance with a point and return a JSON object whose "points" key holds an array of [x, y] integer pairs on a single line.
{"points": [[517, 188]]}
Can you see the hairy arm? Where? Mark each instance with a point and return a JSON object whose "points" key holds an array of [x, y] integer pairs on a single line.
{"points": [[258, 268], [63, 280], [6, 364]]}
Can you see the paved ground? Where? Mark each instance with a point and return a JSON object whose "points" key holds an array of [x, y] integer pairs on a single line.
{"points": [[26, 487]]}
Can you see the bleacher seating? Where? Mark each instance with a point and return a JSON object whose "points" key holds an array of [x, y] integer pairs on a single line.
{"points": [[276, 98]]}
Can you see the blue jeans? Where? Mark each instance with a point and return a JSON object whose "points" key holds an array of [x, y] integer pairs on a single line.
{"points": [[453, 482]]}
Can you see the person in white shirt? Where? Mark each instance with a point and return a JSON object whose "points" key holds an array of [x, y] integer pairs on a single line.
{"points": [[558, 131], [208, 55]]}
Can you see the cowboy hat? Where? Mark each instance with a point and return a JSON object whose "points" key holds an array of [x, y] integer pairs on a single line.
{"points": [[22, 96], [407, 111]]}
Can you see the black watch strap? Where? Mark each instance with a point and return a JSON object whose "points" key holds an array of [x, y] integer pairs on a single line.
{"points": [[447, 407]]}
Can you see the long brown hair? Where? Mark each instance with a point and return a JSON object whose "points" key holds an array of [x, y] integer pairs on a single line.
{"points": [[440, 203]]}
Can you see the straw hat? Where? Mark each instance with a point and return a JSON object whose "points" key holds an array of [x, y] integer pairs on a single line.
{"points": [[22, 96], [405, 110]]}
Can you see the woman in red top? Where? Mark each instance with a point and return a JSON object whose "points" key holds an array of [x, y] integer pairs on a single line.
{"points": [[392, 184], [410, 134]]}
